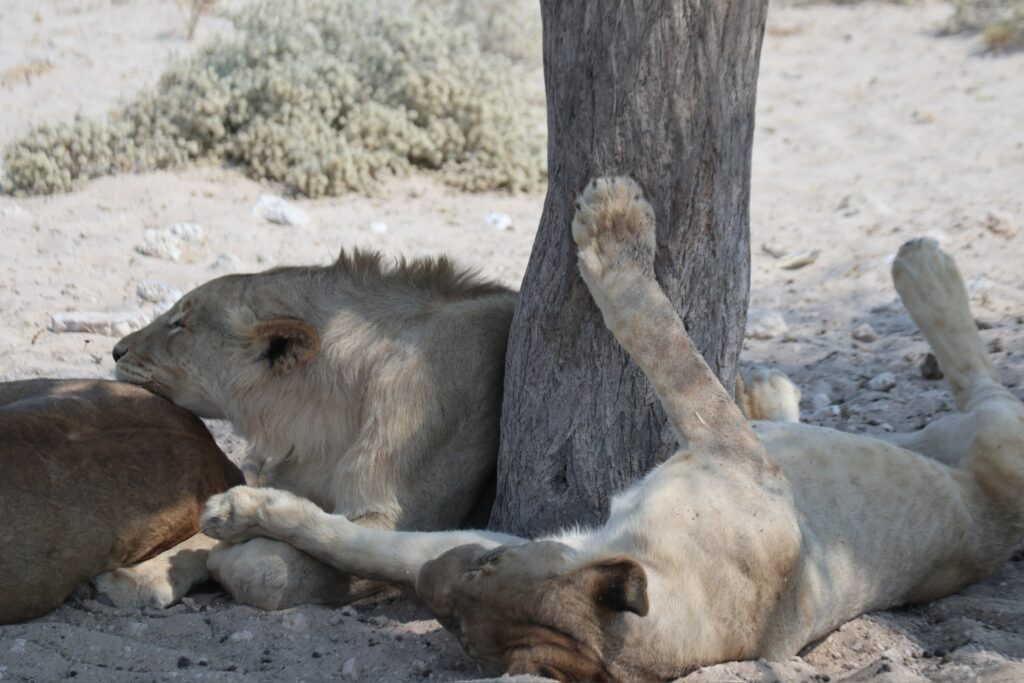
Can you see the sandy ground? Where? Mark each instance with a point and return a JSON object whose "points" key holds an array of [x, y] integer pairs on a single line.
{"points": [[871, 129]]}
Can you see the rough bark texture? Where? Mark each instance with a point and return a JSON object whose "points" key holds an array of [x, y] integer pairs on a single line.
{"points": [[663, 91]]}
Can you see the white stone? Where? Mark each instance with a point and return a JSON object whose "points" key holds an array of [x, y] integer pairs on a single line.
{"points": [[160, 244], [820, 402], [498, 221], [350, 669], [378, 228], [349, 611], [189, 233], [111, 324], [865, 333], [241, 637], [276, 210], [156, 292], [296, 621], [766, 325], [226, 263], [882, 382]]}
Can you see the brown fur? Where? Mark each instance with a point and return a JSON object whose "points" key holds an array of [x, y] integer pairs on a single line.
{"points": [[96, 476]]}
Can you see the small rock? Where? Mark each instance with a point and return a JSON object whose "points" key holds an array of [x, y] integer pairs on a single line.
{"points": [[498, 221], [189, 233], [241, 637], [766, 325], [996, 345], [166, 243], [156, 292], [865, 333], [276, 210], [820, 402], [378, 228], [350, 669], [1000, 224], [930, 367], [795, 261], [296, 621], [116, 324], [160, 244], [184, 662], [882, 382], [226, 263], [378, 620], [349, 611]]}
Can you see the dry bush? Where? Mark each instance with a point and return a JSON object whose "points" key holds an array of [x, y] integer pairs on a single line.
{"points": [[325, 96], [1000, 22]]}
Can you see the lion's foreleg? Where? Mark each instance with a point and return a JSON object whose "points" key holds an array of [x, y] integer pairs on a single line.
{"points": [[244, 513]]}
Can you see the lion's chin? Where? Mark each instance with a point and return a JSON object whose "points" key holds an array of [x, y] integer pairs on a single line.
{"points": [[140, 378]]}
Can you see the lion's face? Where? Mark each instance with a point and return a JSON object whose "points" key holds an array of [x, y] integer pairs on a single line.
{"points": [[212, 344], [529, 609]]}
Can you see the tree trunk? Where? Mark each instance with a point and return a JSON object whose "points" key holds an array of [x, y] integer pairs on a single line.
{"points": [[663, 91]]}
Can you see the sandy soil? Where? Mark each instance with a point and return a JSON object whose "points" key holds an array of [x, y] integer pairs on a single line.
{"points": [[871, 129]]}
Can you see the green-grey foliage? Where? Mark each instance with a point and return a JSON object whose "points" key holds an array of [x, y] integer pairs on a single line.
{"points": [[325, 96], [1001, 22]]}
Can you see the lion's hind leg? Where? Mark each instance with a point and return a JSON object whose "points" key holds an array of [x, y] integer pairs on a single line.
{"points": [[992, 427], [932, 289]]}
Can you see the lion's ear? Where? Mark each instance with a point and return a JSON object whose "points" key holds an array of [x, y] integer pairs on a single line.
{"points": [[618, 584], [284, 343]]}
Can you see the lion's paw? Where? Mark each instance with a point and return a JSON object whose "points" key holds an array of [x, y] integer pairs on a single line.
{"points": [[135, 588], [928, 279], [613, 228], [234, 516]]}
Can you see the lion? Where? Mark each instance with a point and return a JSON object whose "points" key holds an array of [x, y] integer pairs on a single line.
{"points": [[752, 541], [369, 388], [97, 476]]}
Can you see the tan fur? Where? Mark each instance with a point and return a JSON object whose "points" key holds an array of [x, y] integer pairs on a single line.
{"points": [[372, 389], [96, 477], [751, 541]]}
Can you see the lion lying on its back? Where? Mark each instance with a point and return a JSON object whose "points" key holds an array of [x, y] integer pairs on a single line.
{"points": [[374, 391]]}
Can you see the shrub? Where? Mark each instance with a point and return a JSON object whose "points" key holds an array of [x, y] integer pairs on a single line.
{"points": [[325, 96]]}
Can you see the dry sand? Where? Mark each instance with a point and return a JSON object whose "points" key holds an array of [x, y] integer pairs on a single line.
{"points": [[871, 129]]}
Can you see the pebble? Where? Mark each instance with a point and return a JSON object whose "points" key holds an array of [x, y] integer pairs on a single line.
{"points": [[796, 261], [276, 210], [114, 324], [350, 669], [930, 367], [295, 622], [226, 263], [378, 228], [766, 325], [498, 221], [378, 620], [1000, 224], [349, 611], [882, 382], [167, 243], [865, 333], [241, 637], [820, 402], [156, 292]]}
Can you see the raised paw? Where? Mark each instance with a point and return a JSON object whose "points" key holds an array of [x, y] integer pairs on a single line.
{"points": [[235, 515], [614, 229], [928, 280]]}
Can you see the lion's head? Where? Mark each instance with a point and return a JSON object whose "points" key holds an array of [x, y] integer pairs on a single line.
{"points": [[534, 609], [223, 339]]}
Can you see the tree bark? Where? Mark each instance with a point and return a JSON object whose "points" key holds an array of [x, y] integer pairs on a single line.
{"points": [[663, 91]]}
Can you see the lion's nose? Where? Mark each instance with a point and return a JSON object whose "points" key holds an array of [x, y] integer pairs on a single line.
{"points": [[119, 351]]}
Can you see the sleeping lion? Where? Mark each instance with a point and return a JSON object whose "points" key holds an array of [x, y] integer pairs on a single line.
{"points": [[753, 540]]}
